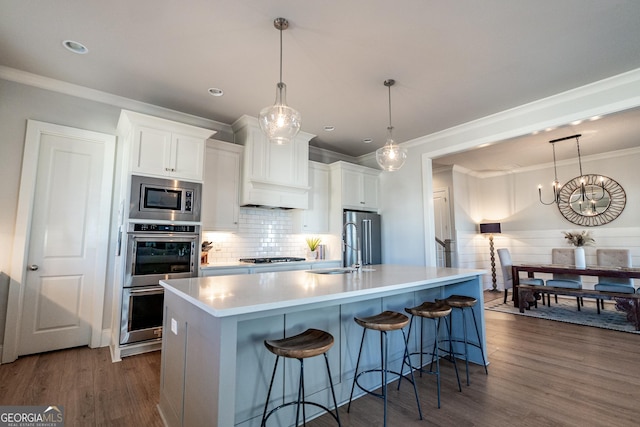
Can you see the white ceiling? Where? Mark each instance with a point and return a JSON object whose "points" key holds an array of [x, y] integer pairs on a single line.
{"points": [[453, 61]]}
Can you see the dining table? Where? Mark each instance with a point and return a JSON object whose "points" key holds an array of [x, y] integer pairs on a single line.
{"points": [[531, 269]]}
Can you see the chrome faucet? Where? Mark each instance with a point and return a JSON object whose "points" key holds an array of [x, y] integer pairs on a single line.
{"points": [[356, 250]]}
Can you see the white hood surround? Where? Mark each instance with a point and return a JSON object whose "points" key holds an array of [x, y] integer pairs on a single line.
{"points": [[273, 175]]}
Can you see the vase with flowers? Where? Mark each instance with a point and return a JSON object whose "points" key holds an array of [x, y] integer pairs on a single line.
{"points": [[312, 243], [579, 240]]}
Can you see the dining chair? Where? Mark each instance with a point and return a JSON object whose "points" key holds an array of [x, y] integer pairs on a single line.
{"points": [[507, 274], [613, 258], [564, 256]]}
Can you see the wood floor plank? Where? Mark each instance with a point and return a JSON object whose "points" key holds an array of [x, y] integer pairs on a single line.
{"points": [[541, 373]]}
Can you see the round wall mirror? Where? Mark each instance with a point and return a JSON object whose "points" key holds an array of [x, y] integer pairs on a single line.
{"points": [[601, 201], [593, 201]]}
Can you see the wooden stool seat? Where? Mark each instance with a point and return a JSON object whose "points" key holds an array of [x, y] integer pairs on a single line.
{"points": [[310, 343], [460, 301], [385, 321], [430, 310]]}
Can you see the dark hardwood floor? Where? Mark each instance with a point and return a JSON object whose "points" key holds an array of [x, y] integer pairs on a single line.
{"points": [[541, 373], [93, 390]]}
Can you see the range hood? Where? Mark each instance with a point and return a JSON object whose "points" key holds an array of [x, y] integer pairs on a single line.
{"points": [[273, 176]]}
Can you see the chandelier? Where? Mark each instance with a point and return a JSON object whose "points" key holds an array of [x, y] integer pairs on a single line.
{"points": [[391, 156], [590, 191], [279, 122]]}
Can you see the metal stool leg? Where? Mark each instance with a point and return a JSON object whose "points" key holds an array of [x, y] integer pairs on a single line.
{"points": [[364, 331], [475, 323], [266, 404], [333, 393]]}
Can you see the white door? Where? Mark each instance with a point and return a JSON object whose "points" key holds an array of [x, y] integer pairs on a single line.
{"points": [[66, 253], [442, 219]]}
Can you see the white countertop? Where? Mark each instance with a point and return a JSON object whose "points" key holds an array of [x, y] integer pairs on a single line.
{"points": [[232, 295]]}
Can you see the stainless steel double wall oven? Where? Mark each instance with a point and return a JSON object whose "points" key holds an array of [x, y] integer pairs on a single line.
{"points": [[157, 251]]}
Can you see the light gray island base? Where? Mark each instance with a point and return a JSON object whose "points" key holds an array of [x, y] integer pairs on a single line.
{"points": [[216, 370]]}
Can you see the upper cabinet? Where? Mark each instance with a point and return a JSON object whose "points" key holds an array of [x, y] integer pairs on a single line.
{"points": [[355, 186], [315, 219], [164, 148], [220, 191], [272, 175]]}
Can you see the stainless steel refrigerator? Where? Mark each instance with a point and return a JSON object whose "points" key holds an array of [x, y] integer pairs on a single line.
{"points": [[361, 235]]}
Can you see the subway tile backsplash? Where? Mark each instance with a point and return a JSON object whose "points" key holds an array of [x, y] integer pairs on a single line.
{"points": [[261, 233]]}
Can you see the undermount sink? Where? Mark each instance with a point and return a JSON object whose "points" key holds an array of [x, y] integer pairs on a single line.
{"points": [[332, 271]]}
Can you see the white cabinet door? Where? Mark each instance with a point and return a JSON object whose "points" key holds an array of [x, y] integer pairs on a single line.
{"points": [[359, 187], [151, 151], [315, 219], [370, 190], [352, 189], [187, 157], [162, 147], [220, 202]]}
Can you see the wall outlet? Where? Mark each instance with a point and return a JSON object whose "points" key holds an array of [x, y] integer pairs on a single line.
{"points": [[174, 326]]}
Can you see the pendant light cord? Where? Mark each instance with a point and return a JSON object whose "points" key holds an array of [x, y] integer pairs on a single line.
{"points": [[280, 54], [390, 126]]}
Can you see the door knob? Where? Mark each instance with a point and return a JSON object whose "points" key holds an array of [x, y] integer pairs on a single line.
{"points": [[33, 267]]}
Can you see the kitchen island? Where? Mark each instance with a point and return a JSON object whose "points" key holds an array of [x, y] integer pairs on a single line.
{"points": [[215, 368]]}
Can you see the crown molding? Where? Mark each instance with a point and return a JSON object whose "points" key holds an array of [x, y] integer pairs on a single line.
{"points": [[610, 95], [35, 80]]}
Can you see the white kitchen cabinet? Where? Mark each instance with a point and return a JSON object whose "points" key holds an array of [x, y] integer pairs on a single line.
{"points": [[162, 147], [220, 192], [272, 174], [356, 186], [315, 219]]}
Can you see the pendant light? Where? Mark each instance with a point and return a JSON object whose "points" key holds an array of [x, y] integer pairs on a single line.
{"points": [[391, 156], [279, 122], [585, 199]]}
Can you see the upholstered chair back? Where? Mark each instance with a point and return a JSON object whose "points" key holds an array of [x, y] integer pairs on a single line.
{"points": [[505, 264], [564, 256], [614, 258]]}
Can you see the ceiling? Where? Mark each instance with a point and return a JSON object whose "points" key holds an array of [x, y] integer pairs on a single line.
{"points": [[453, 61]]}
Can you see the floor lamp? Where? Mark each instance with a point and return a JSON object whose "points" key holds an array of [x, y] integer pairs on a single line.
{"points": [[491, 228]]}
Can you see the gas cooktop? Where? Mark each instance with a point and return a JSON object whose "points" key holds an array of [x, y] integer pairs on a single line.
{"points": [[270, 259]]}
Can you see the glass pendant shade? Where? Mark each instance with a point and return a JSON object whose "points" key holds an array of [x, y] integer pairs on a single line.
{"points": [[391, 156], [279, 122]]}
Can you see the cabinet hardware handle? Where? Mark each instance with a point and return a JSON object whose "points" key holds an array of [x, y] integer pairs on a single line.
{"points": [[33, 267]]}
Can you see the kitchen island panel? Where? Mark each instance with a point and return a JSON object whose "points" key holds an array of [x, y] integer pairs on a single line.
{"points": [[173, 354], [255, 365], [206, 354]]}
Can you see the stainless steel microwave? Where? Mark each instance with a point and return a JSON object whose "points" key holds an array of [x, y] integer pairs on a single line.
{"points": [[164, 199]]}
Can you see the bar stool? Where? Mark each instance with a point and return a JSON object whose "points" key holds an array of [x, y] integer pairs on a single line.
{"points": [[309, 343], [383, 322], [463, 303], [436, 312]]}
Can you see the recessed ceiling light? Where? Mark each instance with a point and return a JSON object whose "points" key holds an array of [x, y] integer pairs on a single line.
{"points": [[576, 122], [329, 128], [367, 140], [595, 118], [214, 91], [75, 47]]}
